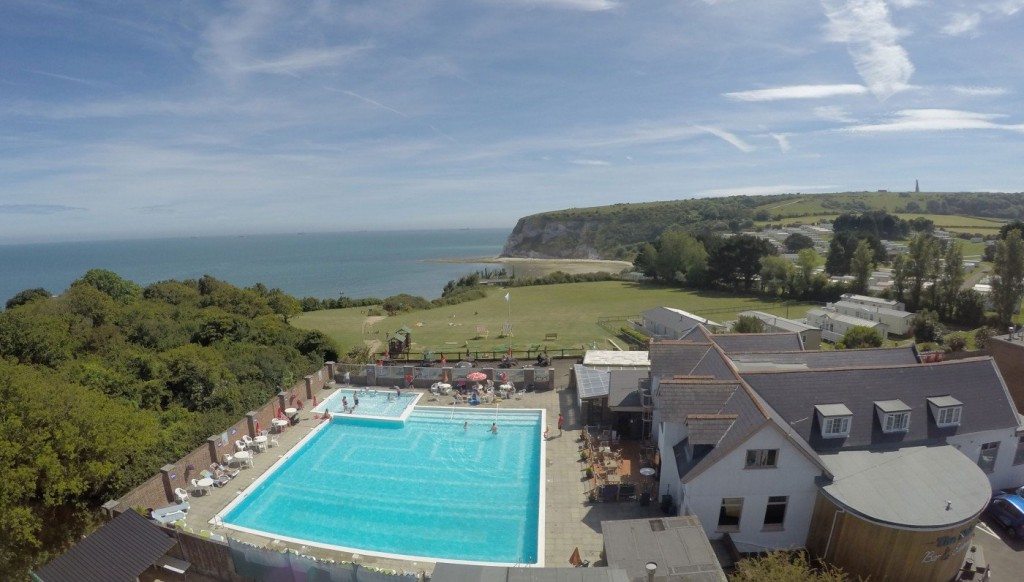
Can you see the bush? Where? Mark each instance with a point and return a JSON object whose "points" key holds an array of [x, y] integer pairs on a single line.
{"points": [[981, 336], [927, 327], [956, 342], [404, 302], [779, 566], [860, 337], [748, 324], [634, 337]]}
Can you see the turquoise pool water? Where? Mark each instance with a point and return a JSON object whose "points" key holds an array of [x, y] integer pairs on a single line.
{"points": [[372, 402], [426, 488]]}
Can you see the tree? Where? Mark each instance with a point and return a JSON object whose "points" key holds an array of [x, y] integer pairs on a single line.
{"points": [[109, 282], [927, 327], [969, 308], [860, 266], [780, 566], [950, 279], [736, 260], [842, 248], [678, 255], [1004, 230], [1008, 276], [807, 261], [748, 324], [27, 296], [921, 266], [776, 274], [899, 277], [860, 337], [646, 260], [797, 242], [284, 305], [922, 224]]}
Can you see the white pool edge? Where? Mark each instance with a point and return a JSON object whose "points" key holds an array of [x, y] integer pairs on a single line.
{"points": [[218, 519], [400, 418]]}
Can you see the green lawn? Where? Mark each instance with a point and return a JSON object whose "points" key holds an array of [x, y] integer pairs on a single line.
{"points": [[570, 310]]}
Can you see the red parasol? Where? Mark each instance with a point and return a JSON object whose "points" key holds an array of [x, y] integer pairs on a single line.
{"points": [[476, 377]]}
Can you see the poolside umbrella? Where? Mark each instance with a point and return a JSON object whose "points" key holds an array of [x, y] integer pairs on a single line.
{"points": [[476, 376]]}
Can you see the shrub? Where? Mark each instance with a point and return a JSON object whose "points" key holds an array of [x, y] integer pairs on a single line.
{"points": [[633, 336], [956, 342], [784, 566], [748, 324], [404, 302], [860, 337], [927, 327], [981, 336]]}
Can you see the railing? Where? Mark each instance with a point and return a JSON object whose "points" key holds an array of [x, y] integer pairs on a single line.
{"points": [[524, 356], [612, 323]]}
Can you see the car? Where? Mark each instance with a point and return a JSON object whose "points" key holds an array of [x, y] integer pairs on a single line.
{"points": [[1008, 511]]}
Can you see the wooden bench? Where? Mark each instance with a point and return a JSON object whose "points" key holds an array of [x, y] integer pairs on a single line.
{"points": [[550, 337]]}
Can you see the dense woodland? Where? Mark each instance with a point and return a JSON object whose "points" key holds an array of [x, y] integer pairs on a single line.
{"points": [[105, 383]]}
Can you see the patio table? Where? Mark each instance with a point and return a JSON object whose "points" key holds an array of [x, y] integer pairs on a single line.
{"points": [[245, 457], [205, 483], [261, 442]]}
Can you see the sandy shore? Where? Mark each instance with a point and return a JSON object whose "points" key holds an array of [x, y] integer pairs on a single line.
{"points": [[540, 267]]}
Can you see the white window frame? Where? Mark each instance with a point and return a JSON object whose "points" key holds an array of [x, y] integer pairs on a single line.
{"points": [[1018, 455], [761, 458], [949, 416], [994, 446], [843, 422], [730, 502], [896, 422]]}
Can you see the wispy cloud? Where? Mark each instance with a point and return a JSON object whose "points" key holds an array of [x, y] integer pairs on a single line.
{"points": [[584, 5], [834, 113], [369, 101], [797, 92], [979, 91], [730, 138], [302, 60], [913, 120], [962, 24], [872, 41], [69, 78], [783, 140], [906, 3], [589, 162], [37, 208]]}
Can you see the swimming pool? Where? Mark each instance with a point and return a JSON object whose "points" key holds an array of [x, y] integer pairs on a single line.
{"points": [[426, 489], [374, 402]]}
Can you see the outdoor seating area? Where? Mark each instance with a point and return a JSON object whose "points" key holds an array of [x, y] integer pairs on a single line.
{"points": [[616, 470]]}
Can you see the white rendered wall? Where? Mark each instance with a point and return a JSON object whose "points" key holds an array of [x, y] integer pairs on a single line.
{"points": [[794, 477], [671, 434], [1006, 474]]}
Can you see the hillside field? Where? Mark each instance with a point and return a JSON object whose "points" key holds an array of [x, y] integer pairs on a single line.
{"points": [[570, 310]]}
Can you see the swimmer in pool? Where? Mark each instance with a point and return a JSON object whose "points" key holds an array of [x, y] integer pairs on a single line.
{"points": [[494, 428], [355, 401], [465, 425]]}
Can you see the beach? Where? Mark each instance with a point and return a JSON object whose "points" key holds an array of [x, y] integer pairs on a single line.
{"points": [[523, 267]]}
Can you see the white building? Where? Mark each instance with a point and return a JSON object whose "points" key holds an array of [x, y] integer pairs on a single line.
{"points": [[809, 334], [672, 323], [834, 325], [897, 322], [750, 450], [870, 301], [616, 360]]}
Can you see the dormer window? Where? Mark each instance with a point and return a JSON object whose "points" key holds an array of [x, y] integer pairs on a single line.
{"points": [[946, 410], [834, 419], [893, 415]]}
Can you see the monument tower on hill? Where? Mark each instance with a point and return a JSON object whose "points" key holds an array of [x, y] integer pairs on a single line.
{"points": [[917, 186]]}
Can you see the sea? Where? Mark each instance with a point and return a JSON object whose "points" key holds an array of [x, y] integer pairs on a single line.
{"points": [[356, 264]]}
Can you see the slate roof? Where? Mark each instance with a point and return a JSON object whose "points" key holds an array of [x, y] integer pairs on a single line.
{"points": [[675, 357], [118, 551], [623, 388], [872, 357], [747, 342], [708, 429], [975, 381]]}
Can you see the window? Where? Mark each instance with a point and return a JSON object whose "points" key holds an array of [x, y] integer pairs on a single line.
{"points": [[949, 416], [1018, 456], [987, 457], [729, 514], [837, 427], [762, 458], [775, 512], [896, 422]]}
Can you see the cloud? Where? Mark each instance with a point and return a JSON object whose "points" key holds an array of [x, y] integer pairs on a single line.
{"points": [[589, 162], [78, 80], [764, 190], [583, 5], [302, 60], [37, 208], [783, 140], [834, 113], [979, 91], [961, 24], [913, 120], [727, 137], [873, 43], [906, 3], [797, 92]]}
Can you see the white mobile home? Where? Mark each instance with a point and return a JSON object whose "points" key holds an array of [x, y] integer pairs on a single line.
{"points": [[671, 323], [834, 325], [809, 334], [897, 322], [875, 301]]}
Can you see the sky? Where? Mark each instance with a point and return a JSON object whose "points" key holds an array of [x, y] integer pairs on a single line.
{"points": [[133, 119]]}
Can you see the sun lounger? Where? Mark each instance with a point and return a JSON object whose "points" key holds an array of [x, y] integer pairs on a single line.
{"points": [[171, 513]]}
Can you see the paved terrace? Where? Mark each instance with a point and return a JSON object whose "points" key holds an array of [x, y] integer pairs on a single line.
{"points": [[570, 521]]}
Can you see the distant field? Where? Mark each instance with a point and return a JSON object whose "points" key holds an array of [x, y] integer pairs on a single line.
{"points": [[569, 310], [959, 221]]}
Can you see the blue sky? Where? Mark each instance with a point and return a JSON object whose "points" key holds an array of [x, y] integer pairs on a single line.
{"points": [[161, 118]]}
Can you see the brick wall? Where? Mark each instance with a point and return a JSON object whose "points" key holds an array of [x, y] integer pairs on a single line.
{"points": [[1009, 356], [153, 493]]}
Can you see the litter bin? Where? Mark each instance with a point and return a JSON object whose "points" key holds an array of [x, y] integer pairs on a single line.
{"points": [[666, 504]]}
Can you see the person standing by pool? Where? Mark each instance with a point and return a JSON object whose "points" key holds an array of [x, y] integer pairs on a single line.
{"points": [[494, 428], [344, 403], [355, 400], [561, 423]]}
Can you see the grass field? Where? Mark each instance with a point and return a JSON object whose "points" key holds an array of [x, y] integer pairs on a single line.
{"points": [[570, 310]]}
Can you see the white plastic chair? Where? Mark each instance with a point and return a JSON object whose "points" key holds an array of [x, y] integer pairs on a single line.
{"points": [[181, 494], [248, 442], [272, 441], [239, 446]]}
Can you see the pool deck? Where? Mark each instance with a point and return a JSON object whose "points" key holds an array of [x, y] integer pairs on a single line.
{"points": [[570, 521]]}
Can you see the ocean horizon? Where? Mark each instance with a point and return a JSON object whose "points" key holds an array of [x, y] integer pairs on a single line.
{"points": [[356, 264]]}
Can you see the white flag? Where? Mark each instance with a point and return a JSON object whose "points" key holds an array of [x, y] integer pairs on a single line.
{"points": [[508, 296]]}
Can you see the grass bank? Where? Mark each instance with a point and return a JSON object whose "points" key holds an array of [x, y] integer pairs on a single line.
{"points": [[570, 310]]}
